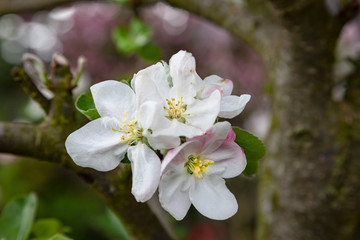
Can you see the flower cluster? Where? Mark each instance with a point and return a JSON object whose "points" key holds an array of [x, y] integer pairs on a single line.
{"points": [[167, 107]]}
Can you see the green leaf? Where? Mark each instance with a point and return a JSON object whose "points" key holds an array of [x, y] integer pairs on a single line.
{"points": [[85, 104], [140, 32], [253, 147], [251, 168], [131, 38], [48, 227], [122, 40], [17, 218], [150, 52]]}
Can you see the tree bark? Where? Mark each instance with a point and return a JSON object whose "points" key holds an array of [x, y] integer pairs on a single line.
{"points": [[310, 181]]}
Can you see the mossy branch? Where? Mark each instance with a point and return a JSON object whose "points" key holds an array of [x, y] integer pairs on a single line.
{"points": [[29, 87]]}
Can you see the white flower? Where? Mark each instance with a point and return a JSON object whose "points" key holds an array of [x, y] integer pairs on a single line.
{"points": [[193, 174], [231, 105], [185, 114], [123, 127]]}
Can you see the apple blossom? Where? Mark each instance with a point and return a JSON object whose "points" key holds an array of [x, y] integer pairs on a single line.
{"points": [[176, 91], [102, 143], [193, 174]]}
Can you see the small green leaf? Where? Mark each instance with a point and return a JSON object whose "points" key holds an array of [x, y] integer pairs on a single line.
{"points": [[131, 38], [140, 32], [17, 218], [150, 52], [122, 40], [251, 168], [48, 227], [253, 147], [85, 104]]}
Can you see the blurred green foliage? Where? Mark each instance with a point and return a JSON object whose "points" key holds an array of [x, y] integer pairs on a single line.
{"points": [[135, 38], [47, 228], [17, 218], [66, 205]]}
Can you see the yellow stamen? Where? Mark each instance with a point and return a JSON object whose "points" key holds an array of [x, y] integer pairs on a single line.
{"points": [[196, 166], [131, 131], [176, 109]]}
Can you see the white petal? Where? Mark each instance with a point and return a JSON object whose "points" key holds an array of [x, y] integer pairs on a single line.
{"points": [[225, 84], [163, 142], [113, 98], [229, 160], [232, 106], [151, 84], [145, 166], [212, 198], [156, 125], [172, 196], [151, 115], [203, 113], [182, 70], [96, 146], [177, 128]]}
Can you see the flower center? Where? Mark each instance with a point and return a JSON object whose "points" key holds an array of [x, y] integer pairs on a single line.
{"points": [[196, 166], [175, 109], [132, 132]]}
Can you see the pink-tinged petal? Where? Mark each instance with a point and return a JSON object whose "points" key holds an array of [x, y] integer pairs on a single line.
{"points": [[145, 166], [208, 89], [225, 84], [113, 98], [232, 106], [203, 113], [212, 198], [96, 146], [172, 195], [214, 137], [176, 158], [229, 160], [231, 135]]}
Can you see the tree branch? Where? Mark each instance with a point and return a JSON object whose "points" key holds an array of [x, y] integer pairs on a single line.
{"points": [[19, 6]]}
